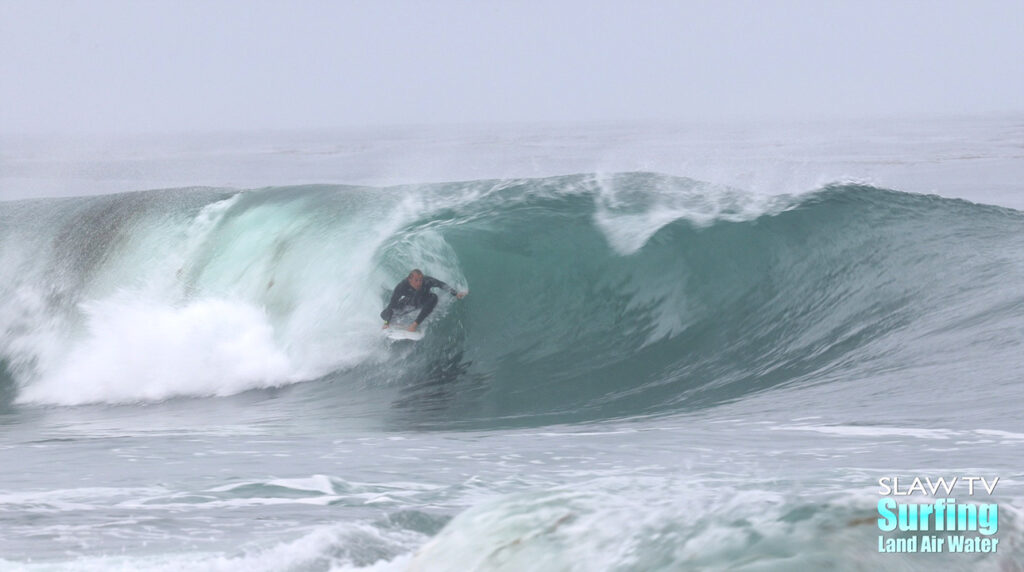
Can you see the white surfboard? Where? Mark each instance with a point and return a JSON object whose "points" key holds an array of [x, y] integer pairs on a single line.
{"points": [[400, 333]]}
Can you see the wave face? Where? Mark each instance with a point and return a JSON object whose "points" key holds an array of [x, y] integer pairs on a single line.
{"points": [[591, 296]]}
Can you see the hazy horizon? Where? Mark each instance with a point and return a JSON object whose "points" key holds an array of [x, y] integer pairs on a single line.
{"points": [[122, 67]]}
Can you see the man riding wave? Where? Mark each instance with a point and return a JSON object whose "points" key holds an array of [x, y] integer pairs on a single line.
{"points": [[412, 293]]}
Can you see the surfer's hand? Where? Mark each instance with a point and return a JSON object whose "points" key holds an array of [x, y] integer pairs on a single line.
{"points": [[462, 295], [412, 328]]}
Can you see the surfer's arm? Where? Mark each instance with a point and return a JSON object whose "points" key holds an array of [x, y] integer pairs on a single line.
{"points": [[431, 282]]}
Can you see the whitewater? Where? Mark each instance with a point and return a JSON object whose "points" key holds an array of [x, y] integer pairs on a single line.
{"points": [[685, 347]]}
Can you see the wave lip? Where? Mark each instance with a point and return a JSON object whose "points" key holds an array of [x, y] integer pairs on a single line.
{"points": [[633, 207]]}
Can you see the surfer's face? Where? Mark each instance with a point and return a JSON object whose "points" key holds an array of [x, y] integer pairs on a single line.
{"points": [[416, 280]]}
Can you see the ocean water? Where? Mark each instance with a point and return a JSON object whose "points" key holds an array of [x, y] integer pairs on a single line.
{"points": [[683, 348]]}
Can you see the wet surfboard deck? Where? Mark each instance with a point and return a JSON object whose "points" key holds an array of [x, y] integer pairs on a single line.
{"points": [[400, 333]]}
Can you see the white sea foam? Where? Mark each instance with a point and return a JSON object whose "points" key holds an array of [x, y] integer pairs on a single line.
{"points": [[137, 350], [644, 524], [870, 431], [341, 547]]}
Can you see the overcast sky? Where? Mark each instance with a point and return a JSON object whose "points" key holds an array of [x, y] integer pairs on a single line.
{"points": [[196, 66]]}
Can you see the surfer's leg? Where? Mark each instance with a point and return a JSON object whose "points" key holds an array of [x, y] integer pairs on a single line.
{"points": [[400, 313], [429, 301]]}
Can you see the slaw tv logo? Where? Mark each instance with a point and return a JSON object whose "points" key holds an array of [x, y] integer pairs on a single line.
{"points": [[941, 523]]}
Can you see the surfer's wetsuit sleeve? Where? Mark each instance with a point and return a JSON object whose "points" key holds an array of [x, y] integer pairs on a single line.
{"points": [[431, 282]]}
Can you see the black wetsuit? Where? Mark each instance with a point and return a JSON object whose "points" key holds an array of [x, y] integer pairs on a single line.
{"points": [[406, 298]]}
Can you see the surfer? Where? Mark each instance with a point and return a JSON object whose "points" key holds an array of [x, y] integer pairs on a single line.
{"points": [[414, 293]]}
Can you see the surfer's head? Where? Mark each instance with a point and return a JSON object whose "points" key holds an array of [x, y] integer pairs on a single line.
{"points": [[416, 278]]}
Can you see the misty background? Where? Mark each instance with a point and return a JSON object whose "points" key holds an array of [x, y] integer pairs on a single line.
{"points": [[119, 66], [769, 97]]}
